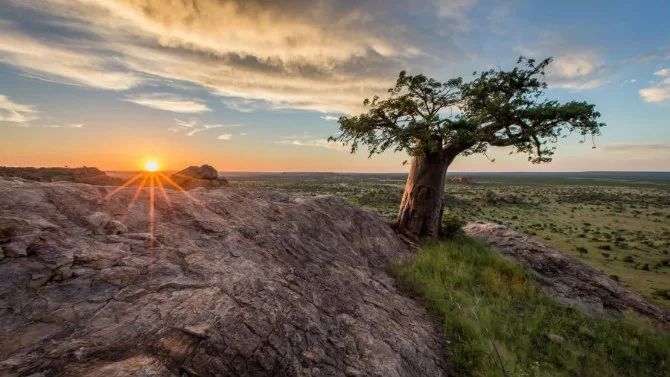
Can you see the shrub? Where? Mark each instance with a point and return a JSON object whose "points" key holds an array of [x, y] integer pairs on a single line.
{"points": [[452, 225], [582, 250], [629, 259], [605, 247]]}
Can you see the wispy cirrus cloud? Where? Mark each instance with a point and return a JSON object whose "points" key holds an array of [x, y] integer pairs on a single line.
{"points": [[13, 112], [660, 92], [330, 117], [191, 127], [636, 148], [74, 125], [169, 102], [455, 11], [62, 62], [305, 140], [244, 105], [573, 68]]}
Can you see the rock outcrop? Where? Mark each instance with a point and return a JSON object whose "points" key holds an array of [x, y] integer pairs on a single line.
{"points": [[91, 176], [203, 176], [565, 277], [459, 180], [230, 283]]}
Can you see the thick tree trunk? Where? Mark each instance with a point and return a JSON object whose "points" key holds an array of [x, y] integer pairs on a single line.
{"points": [[423, 200]]}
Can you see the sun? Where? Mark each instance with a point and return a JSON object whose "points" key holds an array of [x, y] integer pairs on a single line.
{"points": [[151, 166]]}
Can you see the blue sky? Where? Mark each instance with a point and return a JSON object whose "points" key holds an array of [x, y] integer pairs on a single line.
{"points": [[256, 85]]}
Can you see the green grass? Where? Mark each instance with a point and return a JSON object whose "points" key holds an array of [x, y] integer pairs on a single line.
{"points": [[473, 289]]}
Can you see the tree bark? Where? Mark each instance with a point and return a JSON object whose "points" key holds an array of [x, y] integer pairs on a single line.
{"points": [[423, 200]]}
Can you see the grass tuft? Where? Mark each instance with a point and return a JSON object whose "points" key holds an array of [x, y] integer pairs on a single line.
{"points": [[482, 298]]}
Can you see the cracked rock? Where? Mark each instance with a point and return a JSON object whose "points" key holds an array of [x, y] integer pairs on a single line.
{"points": [[236, 284]]}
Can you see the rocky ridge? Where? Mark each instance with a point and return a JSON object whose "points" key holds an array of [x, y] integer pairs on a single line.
{"points": [[88, 175], [231, 283], [565, 277]]}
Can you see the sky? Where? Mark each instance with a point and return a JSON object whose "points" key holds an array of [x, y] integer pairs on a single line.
{"points": [[258, 85]]}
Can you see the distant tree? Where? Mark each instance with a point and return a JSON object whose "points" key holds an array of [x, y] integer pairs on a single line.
{"points": [[436, 121]]}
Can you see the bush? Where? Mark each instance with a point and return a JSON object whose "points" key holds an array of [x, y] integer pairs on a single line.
{"points": [[452, 225], [582, 250]]}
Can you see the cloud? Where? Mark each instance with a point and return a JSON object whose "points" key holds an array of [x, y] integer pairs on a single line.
{"points": [[58, 62], [655, 94], [225, 137], [579, 70], [330, 117], [660, 92], [320, 55], [455, 10], [305, 140], [168, 102], [244, 105], [636, 148], [13, 112], [572, 68], [193, 126]]}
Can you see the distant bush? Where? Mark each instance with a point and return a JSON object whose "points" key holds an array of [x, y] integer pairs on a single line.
{"points": [[452, 225], [490, 197], [605, 247], [582, 250], [615, 277], [662, 294], [629, 259]]}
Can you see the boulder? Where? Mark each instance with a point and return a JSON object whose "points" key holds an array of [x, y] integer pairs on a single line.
{"points": [[460, 180], [232, 283], [202, 176], [565, 277]]}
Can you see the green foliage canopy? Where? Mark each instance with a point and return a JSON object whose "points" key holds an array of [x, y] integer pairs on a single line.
{"points": [[496, 108]]}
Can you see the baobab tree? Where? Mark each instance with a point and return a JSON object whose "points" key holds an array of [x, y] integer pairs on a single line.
{"points": [[434, 122]]}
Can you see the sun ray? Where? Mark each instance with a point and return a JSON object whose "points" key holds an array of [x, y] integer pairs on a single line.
{"points": [[162, 188], [124, 185], [138, 192], [175, 185], [151, 215]]}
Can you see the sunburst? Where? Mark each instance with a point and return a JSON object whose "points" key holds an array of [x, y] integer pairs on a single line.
{"points": [[151, 178]]}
